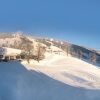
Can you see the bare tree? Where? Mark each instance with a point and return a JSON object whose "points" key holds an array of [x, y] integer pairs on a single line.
{"points": [[40, 52], [27, 46], [29, 52], [80, 53], [68, 50], [93, 57]]}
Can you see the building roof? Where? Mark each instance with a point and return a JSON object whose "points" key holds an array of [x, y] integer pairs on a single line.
{"points": [[9, 51]]}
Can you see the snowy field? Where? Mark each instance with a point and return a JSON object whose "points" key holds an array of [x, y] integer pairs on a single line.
{"points": [[55, 78]]}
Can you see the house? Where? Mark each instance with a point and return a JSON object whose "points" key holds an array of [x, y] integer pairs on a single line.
{"points": [[9, 53]]}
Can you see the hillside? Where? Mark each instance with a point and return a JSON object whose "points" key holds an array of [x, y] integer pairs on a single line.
{"points": [[14, 40], [66, 71], [69, 70], [51, 79]]}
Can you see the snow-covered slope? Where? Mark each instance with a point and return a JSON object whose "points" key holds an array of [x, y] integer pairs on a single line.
{"points": [[14, 40], [68, 70], [57, 77], [18, 82], [10, 39]]}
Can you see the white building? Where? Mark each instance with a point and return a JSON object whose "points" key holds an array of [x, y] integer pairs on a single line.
{"points": [[10, 52]]}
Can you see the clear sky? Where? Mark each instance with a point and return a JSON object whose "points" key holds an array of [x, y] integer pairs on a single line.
{"points": [[77, 21]]}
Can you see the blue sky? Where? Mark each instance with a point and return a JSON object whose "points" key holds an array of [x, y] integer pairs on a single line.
{"points": [[77, 21]]}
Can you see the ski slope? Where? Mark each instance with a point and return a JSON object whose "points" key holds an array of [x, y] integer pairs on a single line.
{"points": [[18, 82], [57, 77], [68, 70]]}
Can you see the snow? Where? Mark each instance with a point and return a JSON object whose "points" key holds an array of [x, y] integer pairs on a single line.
{"points": [[21, 83], [9, 51], [54, 48], [10, 41], [57, 77], [68, 70]]}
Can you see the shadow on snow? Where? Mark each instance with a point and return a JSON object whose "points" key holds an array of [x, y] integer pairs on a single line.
{"points": [[18, 83]]}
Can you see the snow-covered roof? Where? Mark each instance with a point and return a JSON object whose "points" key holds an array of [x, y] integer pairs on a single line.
{"points": [[9, 51]]}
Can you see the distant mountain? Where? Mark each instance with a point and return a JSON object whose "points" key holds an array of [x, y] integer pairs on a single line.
{"points": [[14, 40]]}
